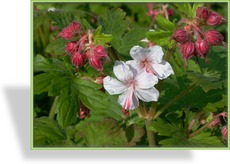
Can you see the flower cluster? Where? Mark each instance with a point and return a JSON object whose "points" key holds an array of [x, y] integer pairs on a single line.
{"points": [[192, 37], [154, 10], [136, 78], [81, 47]]}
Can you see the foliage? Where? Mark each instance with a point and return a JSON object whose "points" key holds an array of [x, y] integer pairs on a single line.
{"points": [[73, 109]]}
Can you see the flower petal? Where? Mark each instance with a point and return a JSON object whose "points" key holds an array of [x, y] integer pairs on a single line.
{"points": [[113, 86], [163, 69], [155, 54], [136, 53], [147, 95], [128, 99], [145, 80], [122, 71]]}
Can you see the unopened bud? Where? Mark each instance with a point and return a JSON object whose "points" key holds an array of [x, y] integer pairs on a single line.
{"points": [[224, 132], [66, 33], [100, 52], [78, 59], [126, 112], [99, 80], [74, 26], [202, 13], [71, 47], [96, 63], [181, 36], [187, 50], [202, 47], [214, 37], [214, 19]]}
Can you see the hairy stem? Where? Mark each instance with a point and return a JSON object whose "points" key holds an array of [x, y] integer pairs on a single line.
{"points": [[53, 108], [174, 100], [150, 134]]}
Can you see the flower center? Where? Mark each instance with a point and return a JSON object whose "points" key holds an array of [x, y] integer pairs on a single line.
{"points": [[146, 64]]}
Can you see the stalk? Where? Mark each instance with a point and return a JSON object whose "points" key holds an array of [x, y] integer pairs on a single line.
{"points": [[150, 134], [174, 100], [53, 108]]}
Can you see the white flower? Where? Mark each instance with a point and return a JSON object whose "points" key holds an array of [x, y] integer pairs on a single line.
{"points": [[150, 60], [131, 84]]}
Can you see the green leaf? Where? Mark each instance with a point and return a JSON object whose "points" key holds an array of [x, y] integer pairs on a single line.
{"points": [[214, 74], [130, 39], [133, 134], [47, 132], [60, 19], [100, 103], [52, 65], [161, 38], [165, 23], [165, 128], [124, 37], [67, 109], [101, 38], [113, 22], [100, 133], [185, 8], [56, 47], [204, 139]]}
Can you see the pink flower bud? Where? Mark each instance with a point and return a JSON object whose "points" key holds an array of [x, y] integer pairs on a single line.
{"points": [[99, 80], [214, 37], [74, 26], [126, 112], [202, 47], [214, 123], [181, 36], [187, 50], [224, 132], [96, 63], [71, 47], [84, 111], [214, 19], [66, 33], [78, 59], [202, 13], [170, 12], [100, 52]]}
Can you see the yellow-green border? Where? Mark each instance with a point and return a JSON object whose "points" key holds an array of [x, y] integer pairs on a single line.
{"points": [[113, 148]]}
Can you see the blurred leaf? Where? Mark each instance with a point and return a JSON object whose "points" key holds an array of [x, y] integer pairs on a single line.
{"points": [[165, 23], [185, 8], [60, 19], [194, 8], [101, 133], [204, 139], [56, 47], [47, 132]]}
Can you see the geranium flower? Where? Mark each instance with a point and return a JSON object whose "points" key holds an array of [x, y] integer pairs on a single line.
{"points": [[131, 84], [151, 60]]}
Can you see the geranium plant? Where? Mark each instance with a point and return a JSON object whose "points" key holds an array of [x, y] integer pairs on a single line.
{"points": [[130, 75]]}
